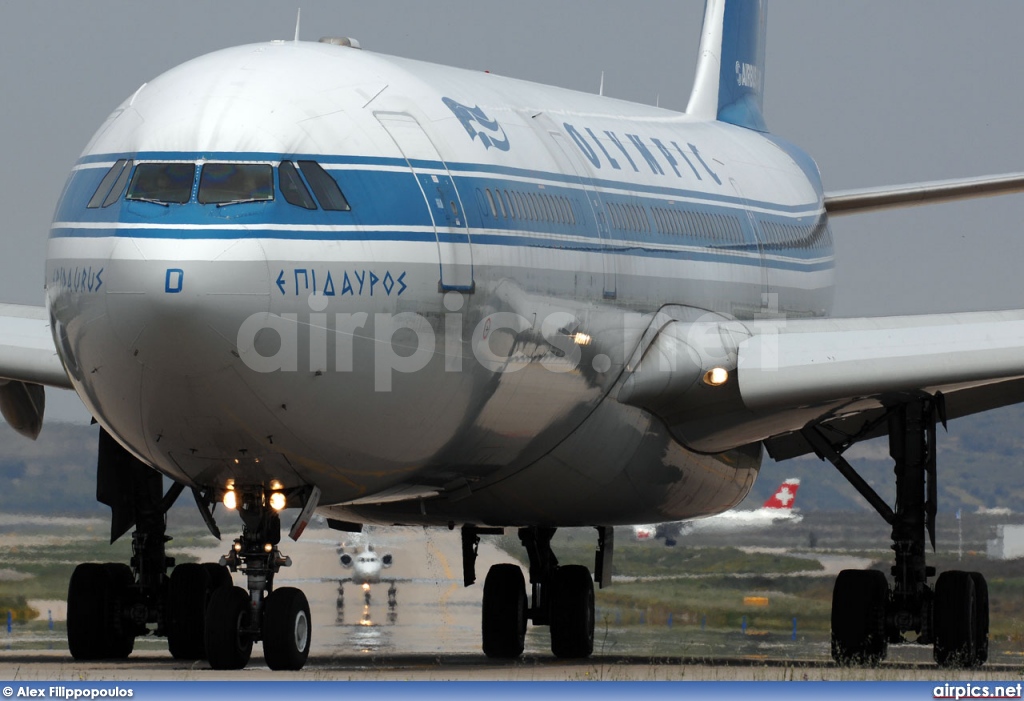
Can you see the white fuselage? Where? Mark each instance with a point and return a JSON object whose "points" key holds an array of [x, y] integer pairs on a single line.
{"points": [[461, 327]]}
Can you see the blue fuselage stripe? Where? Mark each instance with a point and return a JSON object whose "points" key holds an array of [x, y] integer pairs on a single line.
{"points": [[388, 205]]}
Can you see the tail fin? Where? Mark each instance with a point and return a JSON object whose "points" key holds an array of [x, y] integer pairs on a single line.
{"points": [[784, 496], [729, 85]]}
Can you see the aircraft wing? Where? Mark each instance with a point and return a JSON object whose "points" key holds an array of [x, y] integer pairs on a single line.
{"points": [[26, 347], [28, 361], [875, 198], [838, 375]]}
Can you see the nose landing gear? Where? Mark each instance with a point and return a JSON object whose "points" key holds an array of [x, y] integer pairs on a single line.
{"points": [[235, 617]]}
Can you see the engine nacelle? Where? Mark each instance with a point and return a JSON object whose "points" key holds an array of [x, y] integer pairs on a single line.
{"points": [[385, 560], [346, 560]]}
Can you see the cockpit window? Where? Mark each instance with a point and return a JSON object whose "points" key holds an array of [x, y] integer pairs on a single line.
{"points": [[292, 187], [106, 194], [234, 183], [324, 187], [118, 189], [162, 183]]}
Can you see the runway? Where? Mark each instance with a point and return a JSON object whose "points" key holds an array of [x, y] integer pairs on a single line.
{"points": [[433, 633], [152, 666]]}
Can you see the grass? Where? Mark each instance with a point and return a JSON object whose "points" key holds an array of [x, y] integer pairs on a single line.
{"points": [[706, 587], [42, 568]]}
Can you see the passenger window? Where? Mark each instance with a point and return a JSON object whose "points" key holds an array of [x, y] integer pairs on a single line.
{"points": [[235, 183], [508, 204], [107, 183], [292, 187], [490, 201], [162, 183], [520, 206], [325, 188]]}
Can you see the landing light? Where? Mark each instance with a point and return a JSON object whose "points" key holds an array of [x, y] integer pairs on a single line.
{"points": [[268, 547], [582, 339], [277, 501], [366, 586], [230, 500], [716, 377]]}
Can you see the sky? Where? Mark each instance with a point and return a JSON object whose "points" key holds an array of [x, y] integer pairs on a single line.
{"points": [[878, 92]]}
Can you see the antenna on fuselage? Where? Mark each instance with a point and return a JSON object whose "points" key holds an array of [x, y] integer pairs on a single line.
{"points": [[600, 89], [298, 21]]}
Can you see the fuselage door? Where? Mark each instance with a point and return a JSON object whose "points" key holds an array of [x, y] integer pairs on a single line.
{"points": [[441, 197], [755, 241]]}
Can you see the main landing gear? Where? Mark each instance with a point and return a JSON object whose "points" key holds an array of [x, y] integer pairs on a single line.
{"points": [[199, 610], [868, 616], [110, 604], [562, 596]]}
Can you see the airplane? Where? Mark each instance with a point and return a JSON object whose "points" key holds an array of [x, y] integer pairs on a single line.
{"points": [[302, 274], [778, 507], [366, 566]]}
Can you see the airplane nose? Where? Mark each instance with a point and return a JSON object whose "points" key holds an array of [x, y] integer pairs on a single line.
{"points": [[176, 304]]}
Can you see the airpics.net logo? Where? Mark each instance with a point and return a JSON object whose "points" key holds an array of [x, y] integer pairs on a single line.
{"points": [[499, 342]]}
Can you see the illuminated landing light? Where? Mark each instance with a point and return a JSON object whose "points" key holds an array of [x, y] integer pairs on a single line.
{"points": [[582, 339], [716, 377], [366, 586], [277, 501], [268, 547], [230, 500]]}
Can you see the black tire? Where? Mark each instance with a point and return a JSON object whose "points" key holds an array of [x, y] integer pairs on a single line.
{"points": [[953, 618], [218, 576], [980, 618], [504, 612], [95, 595], [191, 587], [227, 647], [286, 629], [121, 634], [859, 598], [572, 613], [85, 612], [186, 607]]}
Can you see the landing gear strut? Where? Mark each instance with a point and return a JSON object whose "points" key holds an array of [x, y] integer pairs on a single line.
{"points": [[866, 615], [562, 597], [110, 604], [236, 617]]}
